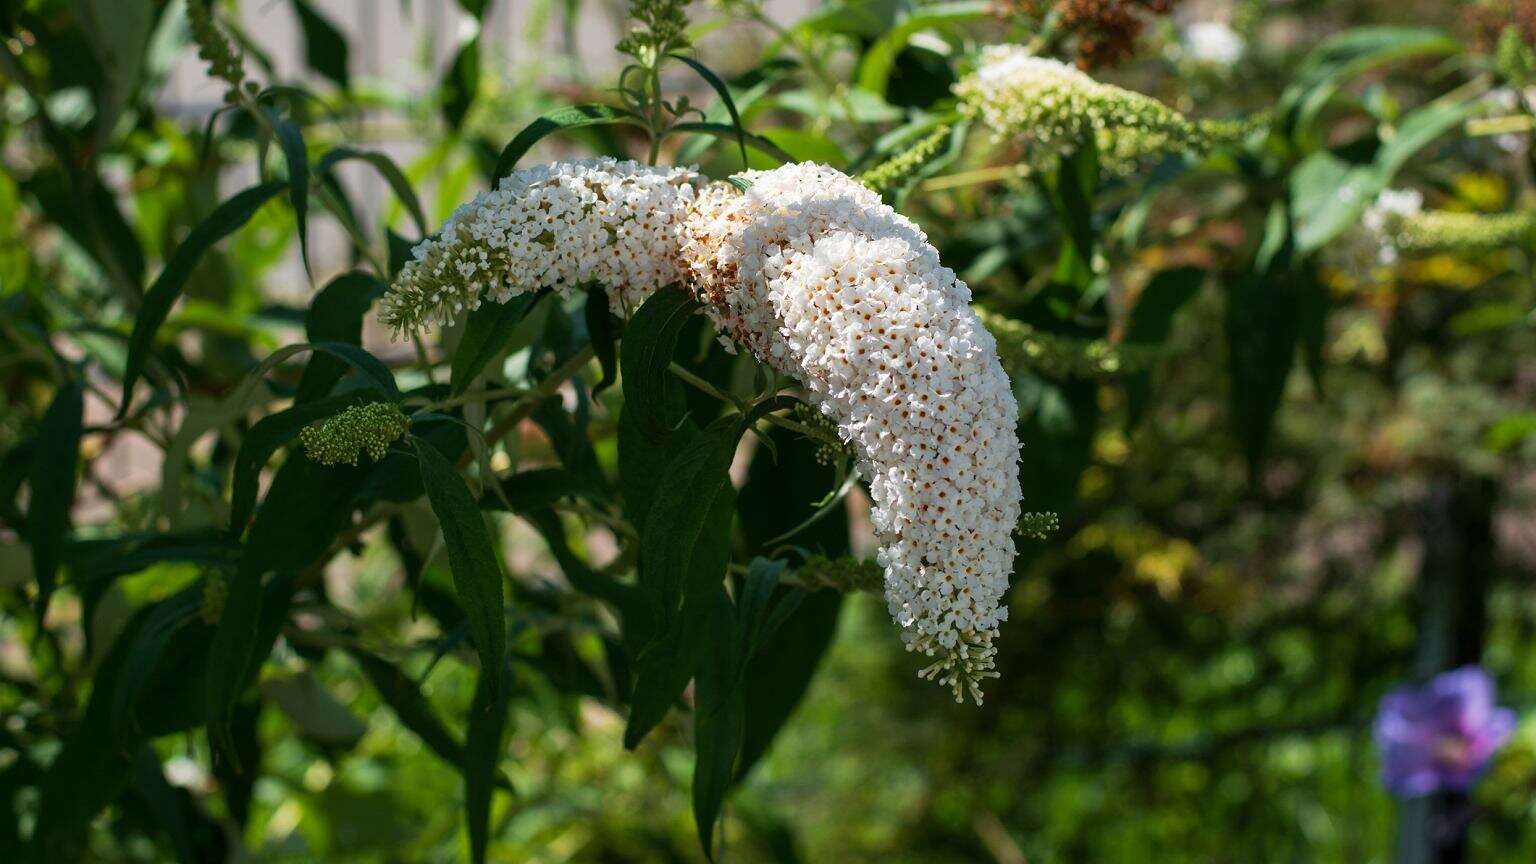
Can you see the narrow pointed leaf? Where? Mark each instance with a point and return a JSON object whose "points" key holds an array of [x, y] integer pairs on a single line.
{"points": [[482, 755], [55, 468], [485, 335], [291, 140], [649, 341], [222, 222], [389, 171], [570, 117], [725, 96], [336, 315], [717, 720], [477, 575]]}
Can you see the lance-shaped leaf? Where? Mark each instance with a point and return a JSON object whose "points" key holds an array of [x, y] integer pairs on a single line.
{"points": [[325, 49], [570, 117], [306, 507], [389, 171], [55, 468], [718, 713], [724, 92], [476, 570], [487, 331], [1263, 323], [649, 341], [222, 222], [482, 754], [336, 315], [291, 140], [602, 330]]}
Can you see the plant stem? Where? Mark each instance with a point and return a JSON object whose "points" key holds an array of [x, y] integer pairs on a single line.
{"points": [[547, 388]]}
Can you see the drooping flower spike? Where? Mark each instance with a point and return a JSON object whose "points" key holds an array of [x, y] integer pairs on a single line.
{"points": [[1055, 108], [822, 281]]}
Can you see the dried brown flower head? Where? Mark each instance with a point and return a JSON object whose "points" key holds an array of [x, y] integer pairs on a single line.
{"points": [[1104, 32]]}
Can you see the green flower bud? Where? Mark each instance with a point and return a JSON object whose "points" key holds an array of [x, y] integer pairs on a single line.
{"points": [[896, 171], [340, 440], [845, 575], [1021, 346], [1443, 230]]}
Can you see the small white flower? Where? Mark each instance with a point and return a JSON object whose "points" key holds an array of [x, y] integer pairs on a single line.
{"points": [[1213, 42]]}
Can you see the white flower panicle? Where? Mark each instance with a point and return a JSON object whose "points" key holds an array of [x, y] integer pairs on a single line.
{"points": [[824, 282], [557, 226], [821, 280], [1055, 108]]}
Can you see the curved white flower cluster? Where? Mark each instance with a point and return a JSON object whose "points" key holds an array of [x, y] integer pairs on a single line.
{"points": [[820, 279], [554, 226], [824, 282]]}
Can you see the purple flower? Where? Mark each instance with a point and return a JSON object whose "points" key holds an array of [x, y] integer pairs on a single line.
{"points": [[1440, 736]]}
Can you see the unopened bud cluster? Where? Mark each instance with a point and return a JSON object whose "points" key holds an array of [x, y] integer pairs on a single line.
{"points": [[344, 438], [1438, 230], [1056, 109], [224, 60], [830, 448], [896, 171], [1039, 525], [1022, 346], [846, 575]]}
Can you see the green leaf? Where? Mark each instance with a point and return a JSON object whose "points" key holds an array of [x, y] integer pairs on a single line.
{"points": [[486, 332], [725, 97], [649, 342], [665, 666], [336, 315], [482, 755], [875, 68], [779, 495], [313, 710], [118, 33], [291, 140], [719, 711], [1263, 324], [1330, 195], [602, 330], [461, 84], [266, 436], [570, 117], [1338, 59], [1072, 195], [1151, 320], [325, 48], [225, 218], [685, 546], [172, 810], [781, 670], [389, 171], [695, 488], [55, 469], [144, 654], [727, 133], [307, 505], [477, 575], [411, 707]]}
